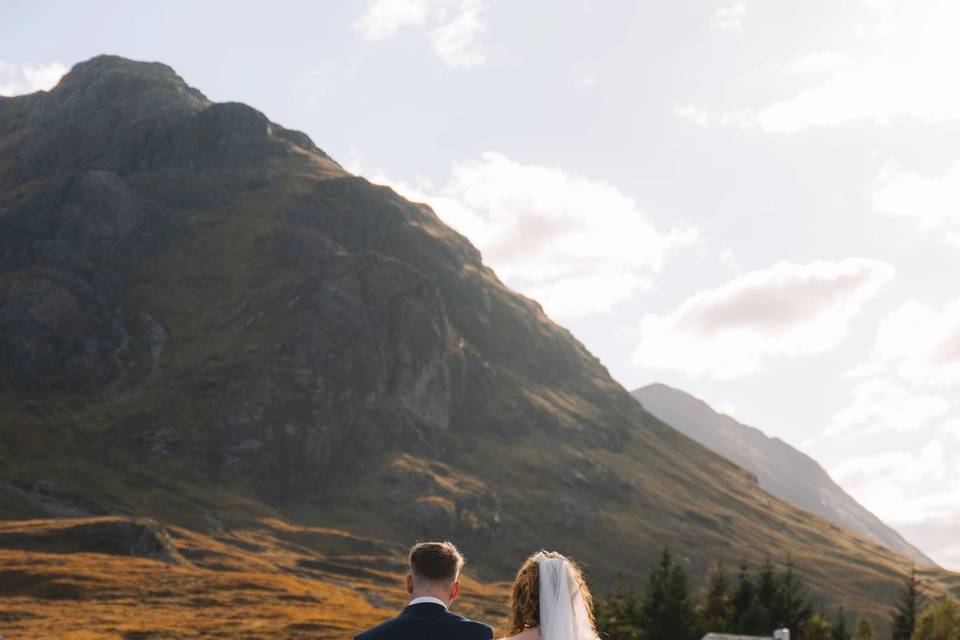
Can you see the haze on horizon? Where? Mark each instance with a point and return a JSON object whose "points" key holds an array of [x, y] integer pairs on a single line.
{"points": [[753, 202]]}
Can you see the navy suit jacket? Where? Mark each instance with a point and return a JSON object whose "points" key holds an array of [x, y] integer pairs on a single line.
{"points": [[428, 621]]}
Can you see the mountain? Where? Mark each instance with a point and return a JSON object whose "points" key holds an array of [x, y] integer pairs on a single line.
{"points": [[780, 469], [206, 321]]}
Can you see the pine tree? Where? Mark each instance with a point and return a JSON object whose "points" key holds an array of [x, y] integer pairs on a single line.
{"points": [[840, 626], [793, 606], [684, 605], [904, 621], [718, 601], [653, 604], [743, 595], [666, 609], [767, 584], [743, 600], [864, 630], [758, 617]]}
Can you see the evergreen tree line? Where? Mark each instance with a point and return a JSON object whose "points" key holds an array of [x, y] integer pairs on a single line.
{"points": [[918, 618], [756, 603]]}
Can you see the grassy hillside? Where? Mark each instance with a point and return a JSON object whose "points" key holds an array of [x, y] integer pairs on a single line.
{"points": [[206, 321], [266, 582]]}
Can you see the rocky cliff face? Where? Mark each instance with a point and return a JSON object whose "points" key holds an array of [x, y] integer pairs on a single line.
{"points": [[345, 318], [111, 536], [204, 319], [90, 175]]}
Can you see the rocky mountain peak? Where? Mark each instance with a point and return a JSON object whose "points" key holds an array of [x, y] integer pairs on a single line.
{"points": [[118, 85], [124, 116]]}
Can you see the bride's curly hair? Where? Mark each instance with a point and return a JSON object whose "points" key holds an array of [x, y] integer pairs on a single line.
{"points": [[525, 593]]}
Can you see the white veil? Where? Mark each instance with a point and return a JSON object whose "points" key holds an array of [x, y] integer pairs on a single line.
{"points": [[563, 611]]}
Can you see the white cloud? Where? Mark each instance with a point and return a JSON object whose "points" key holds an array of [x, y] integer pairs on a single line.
{"points": [[931, 202], [907, 382], [785, 311], [907, 385], [899, 66], [881, 405], [586, 82], [730, 18], [695, 114], [901, 487], [18, 80], [938, 535], [453, 29], [950, 429], [727, 408], [577, 246], [729, 260], [921, 345], [707, 118], [949, 556], [455, 42], [917, 493], [384, 18], [903, 72], [820, 62]]}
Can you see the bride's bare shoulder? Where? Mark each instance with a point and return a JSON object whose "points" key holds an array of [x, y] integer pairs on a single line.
{"points": [[526, 634]]}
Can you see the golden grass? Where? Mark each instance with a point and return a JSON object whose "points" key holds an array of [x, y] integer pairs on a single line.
{"points": [[255, 583]]}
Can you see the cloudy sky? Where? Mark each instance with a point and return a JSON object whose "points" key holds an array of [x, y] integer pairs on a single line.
{"points": [[756, 202]]}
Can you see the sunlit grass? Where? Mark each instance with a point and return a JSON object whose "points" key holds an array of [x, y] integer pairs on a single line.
{"points": [[264, 582]]}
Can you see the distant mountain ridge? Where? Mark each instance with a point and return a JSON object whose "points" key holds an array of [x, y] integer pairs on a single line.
{"points": [[781, 469]]}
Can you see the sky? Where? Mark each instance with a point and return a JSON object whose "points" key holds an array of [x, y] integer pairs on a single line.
{"points": [[755, 202]]}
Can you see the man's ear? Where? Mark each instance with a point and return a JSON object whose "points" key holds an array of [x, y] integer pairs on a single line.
{"points": [[454, 591], [409, 583]]}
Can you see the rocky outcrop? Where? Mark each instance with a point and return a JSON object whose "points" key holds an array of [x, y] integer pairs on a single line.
{"points": [[85, 195], [113, 536], [378, 327], [117, 115]]}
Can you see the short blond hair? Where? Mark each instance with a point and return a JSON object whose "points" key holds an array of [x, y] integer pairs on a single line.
{"points": [[435, 562]]}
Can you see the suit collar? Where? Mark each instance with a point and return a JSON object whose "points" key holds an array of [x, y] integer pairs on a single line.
{"points": [[425, 608], [428, 600]]}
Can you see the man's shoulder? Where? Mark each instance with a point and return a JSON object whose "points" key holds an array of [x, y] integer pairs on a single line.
{"points": [[470, 628], [462, 627], [383, 630], [456, 625]]}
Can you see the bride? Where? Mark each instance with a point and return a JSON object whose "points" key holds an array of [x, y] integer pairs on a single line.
{"points": [[550, 601]]}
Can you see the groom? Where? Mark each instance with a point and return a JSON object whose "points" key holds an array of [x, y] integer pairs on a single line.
{"points": [[433, 583]]}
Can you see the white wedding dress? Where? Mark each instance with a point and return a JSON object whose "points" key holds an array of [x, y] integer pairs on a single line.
{"points": [[563, 612]]}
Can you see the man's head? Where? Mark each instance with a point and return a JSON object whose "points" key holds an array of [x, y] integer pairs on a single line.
{"points": [[435, 571]]}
